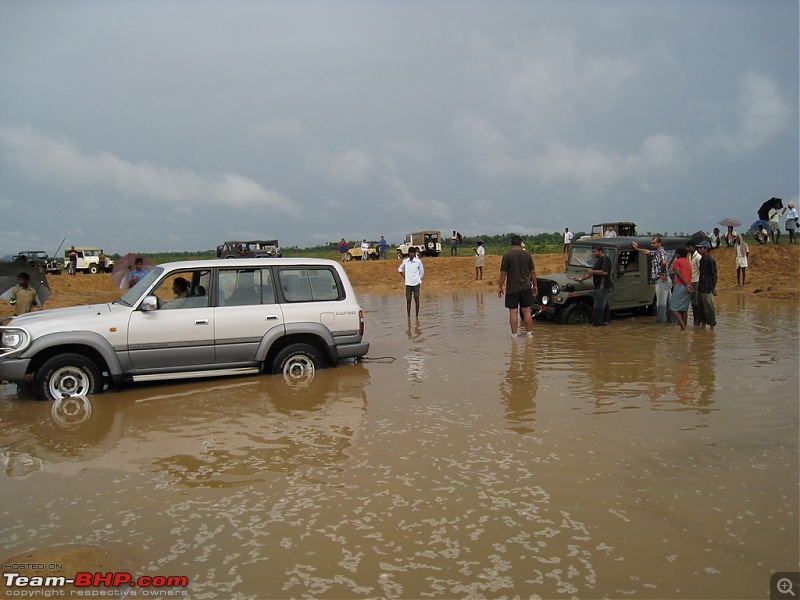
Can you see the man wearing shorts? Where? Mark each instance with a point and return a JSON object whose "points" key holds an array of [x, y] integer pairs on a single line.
{"points": [[518, 274], [412, 271]]}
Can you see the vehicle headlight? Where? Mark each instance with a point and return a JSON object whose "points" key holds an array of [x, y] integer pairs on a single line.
{"points": [[555, 289], [14, 339], [545, 300]]}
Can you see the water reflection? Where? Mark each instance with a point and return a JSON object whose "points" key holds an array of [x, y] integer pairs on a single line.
{"points": [[636, 460], [216, 435], [519, 386]]}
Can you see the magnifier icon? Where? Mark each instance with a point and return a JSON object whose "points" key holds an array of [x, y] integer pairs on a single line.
{"points": [[784, 586]]}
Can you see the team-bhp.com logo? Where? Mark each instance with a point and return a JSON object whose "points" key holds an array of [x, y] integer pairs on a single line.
{"points": [[87, 584]]}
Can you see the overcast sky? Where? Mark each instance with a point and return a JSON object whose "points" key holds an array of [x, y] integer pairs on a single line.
{"points": [[177, 125]]}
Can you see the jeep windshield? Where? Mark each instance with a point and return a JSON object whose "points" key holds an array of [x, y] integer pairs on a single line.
{"points": [[133, 294], [582, 258]]}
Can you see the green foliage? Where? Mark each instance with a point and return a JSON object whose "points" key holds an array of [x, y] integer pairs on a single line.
{"points": [[541, 243]]}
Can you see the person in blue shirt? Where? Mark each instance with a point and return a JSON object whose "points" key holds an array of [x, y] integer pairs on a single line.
{"points": [[382, 249], [137, 273]]}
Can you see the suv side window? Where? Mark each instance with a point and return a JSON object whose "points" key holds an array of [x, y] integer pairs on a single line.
{"points": [[184, 289], [308, 285], [239, 287]]}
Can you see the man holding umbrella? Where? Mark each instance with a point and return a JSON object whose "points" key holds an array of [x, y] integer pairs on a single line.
{"points": [[137, 273], [730, 235]]}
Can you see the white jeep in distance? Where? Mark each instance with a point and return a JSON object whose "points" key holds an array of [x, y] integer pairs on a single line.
{"points": [[88, 261], [188, 320]]}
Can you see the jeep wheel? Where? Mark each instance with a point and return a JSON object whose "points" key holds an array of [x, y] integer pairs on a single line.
{"points": [[67, 375], [93, 270], [576, 313], [400, 254], [297, 363], [348, 256]]}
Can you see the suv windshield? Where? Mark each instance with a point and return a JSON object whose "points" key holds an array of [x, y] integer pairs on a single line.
{"points": [[133, 294]]}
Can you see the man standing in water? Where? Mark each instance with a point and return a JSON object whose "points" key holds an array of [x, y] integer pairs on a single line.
{"points": [[518, 273], [707, 286], [412, 271], [601, 277], [658, 274]]}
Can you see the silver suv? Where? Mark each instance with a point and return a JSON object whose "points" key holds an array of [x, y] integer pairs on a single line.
{"points": [[188, 320]]}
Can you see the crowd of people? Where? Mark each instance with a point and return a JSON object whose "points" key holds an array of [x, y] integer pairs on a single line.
{"points": [[689, 280], [380, 249]]}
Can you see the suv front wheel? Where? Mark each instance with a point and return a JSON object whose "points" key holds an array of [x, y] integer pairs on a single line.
{"points": [[67, 375], [297, 363]]}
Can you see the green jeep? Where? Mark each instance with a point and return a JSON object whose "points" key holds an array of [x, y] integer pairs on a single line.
{"points": [[570, 302]]}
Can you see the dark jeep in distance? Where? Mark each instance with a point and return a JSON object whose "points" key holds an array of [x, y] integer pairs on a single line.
{"points": [[250, 249], [38, 259], [570, 302]]}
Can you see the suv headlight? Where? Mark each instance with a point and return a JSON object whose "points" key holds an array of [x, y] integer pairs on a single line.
{"points": [[14, 339], [555, 289]]}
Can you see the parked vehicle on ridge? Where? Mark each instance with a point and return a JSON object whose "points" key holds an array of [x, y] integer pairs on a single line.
{"points": [[250, 249], [427, 243]]}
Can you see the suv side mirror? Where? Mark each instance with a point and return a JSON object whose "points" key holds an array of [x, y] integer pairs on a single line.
{"points": [[150, 303]]}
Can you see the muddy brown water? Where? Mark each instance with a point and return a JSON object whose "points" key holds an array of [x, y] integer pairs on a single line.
{"points": [[629, 461]]}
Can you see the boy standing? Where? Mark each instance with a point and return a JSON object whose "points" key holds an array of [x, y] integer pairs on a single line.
{"points": [[742, 252], [23, 297]]}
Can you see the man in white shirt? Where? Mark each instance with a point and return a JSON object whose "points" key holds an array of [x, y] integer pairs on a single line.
{"points": [[364, 250], [480, 252], [412, 271], [567, 239], [609, 232]]}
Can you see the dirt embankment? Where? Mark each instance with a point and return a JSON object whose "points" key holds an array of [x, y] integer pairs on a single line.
{"points": [[774, 272]]}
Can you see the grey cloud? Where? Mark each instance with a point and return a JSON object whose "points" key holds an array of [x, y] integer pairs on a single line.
{"points": [[61, 163]]}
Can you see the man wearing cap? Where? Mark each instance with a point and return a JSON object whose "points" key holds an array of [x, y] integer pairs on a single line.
{"points": [[707, 286], [658, 274], [412, 271]]}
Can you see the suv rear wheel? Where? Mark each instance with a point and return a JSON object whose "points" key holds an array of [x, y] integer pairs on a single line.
{"points": [[67, 375], [297, 363]]}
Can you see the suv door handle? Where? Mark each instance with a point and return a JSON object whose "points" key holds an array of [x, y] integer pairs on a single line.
{"points": [[201, 321], [271, 317]]}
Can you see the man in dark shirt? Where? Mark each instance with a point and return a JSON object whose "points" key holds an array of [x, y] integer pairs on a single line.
{"points": [[518, 273], [601, 277], [707, 286]]}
